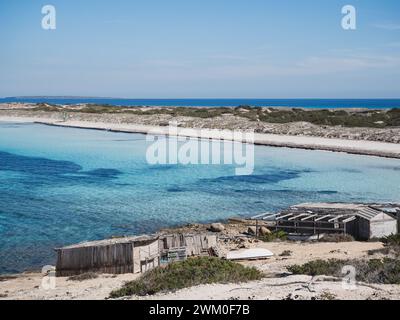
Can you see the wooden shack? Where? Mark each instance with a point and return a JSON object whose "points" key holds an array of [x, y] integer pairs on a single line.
{"points": [[114, 256], [130, 254], [362, 221], [175, 247]]}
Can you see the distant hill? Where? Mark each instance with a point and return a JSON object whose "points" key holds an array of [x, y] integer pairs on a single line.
{"points": [[56, 97]]}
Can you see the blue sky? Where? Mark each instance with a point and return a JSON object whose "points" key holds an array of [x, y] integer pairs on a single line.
{"points": [[201, 49]]}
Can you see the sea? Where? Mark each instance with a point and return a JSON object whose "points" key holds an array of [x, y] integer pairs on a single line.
{"points": [[303, 103], [60, 186]]}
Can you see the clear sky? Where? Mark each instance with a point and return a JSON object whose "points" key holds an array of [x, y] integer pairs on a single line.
{"points": [[201, 49]]}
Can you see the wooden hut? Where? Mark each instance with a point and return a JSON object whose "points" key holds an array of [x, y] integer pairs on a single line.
{"points": [[362, 221], [130, 254], [114, 256], [180, 246]]}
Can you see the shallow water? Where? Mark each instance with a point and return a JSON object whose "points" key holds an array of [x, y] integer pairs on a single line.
{"points": [[60, 186]]}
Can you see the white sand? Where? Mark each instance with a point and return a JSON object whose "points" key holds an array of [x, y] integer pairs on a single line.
{"points": [[373, 148]]}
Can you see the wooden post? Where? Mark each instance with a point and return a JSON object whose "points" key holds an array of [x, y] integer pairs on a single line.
{"points": [[256, 228], [315, 229], [398, 221]]}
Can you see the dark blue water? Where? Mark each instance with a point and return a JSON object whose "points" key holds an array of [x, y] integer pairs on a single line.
{"points": [[60, 186], [303, 103]]}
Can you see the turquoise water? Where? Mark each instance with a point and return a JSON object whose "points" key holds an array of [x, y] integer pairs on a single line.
{"points": [[303, 103], [60, 186]]}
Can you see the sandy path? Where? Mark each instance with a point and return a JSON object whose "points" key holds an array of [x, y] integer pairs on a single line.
{"points": [[363, 147]]}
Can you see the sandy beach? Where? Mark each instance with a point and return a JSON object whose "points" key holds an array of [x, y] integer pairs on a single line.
{"points": [[362, 147]]}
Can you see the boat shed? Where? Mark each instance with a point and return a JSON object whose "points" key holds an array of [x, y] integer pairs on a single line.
{"points": [[362, 221], [113, 256], [131, 254]]}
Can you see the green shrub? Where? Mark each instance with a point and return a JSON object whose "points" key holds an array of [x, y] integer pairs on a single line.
{"points": [[319, 267], [384, 251], [327, 296], [369, 118], [385, 271], [274, 236], [392, 240], [188, 273], [46, 107]]}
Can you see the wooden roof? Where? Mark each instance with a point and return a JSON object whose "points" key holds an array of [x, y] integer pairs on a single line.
{"points": [[107, 242], [341, 212]]}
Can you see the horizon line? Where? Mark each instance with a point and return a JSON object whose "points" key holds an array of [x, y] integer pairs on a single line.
{"points": [[191, 98]]}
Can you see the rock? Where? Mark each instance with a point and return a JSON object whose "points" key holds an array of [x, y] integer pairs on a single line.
{"points": [[217, 227], [263, 231], [239, 240], [252, 230]]}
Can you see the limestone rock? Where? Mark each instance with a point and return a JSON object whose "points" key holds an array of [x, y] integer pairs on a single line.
{"points": [[263, 231], [217, 227], [252, 230]]}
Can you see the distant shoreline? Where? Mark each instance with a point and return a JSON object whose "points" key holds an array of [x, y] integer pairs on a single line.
{"points": [[313, 103], [358, 147]]}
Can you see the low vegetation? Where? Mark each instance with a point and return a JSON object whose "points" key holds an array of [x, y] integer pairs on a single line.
{"points": [[336, 237], [327, 296], [391, 246], [383, 271], [392, 240], [286, 253], [188, 273], [368, 118], [274, 236], [319, 267], [329, 117], [47, 107]]}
